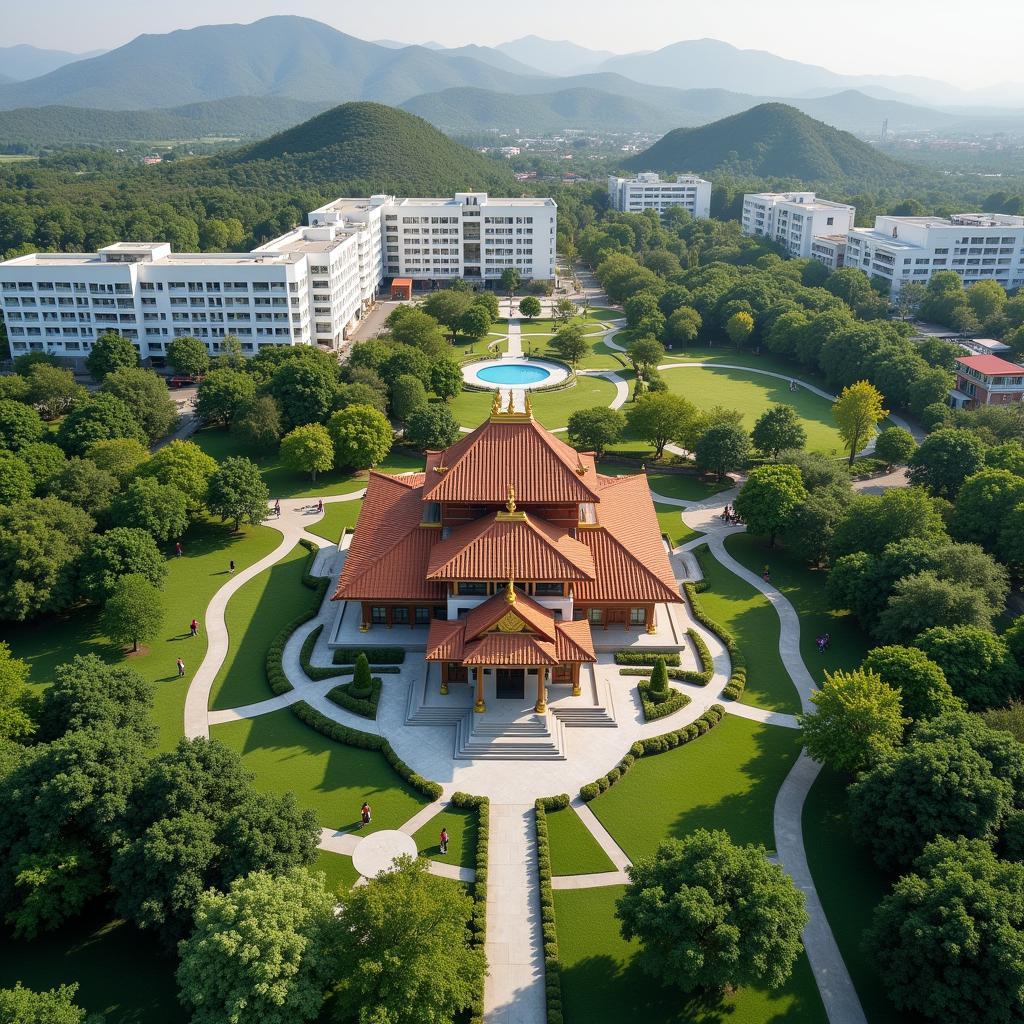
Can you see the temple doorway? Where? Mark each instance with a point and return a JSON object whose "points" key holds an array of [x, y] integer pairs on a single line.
{"points": [[511, 684]]}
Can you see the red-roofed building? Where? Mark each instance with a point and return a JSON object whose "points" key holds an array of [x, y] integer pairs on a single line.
{"points": [[987, 380], [509, 551]]}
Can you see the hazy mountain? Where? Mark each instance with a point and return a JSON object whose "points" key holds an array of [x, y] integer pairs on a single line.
{"points": [[389, 150], [277, 56], [489, 55], [770, 140], [554, 56], [21, 62], [4, 78]]}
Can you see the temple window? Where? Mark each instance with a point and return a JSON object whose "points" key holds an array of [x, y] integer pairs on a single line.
{"points": [[549, 589], [378, 615], [400, 616], [595, 615], [422, 616], [471, 587], [637, 616]]}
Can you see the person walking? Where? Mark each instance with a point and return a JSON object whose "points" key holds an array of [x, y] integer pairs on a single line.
{"points": [[364, 813], [177, 549], [320, 505], [231, 567], [766, 575], [277, 508], [444, 840], [193, 627], [181, 668]]}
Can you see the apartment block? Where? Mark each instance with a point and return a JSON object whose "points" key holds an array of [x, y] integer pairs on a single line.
{"points": [[648, 192], [309, 286], [796, 220], [977, 246], [986, 380]]}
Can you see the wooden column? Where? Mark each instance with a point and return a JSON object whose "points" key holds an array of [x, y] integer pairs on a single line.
{"points": [[479, 706], [575, 678], [542, 703], [652, 625], [444, 678]]}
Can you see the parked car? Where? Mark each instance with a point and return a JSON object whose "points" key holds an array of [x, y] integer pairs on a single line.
{"points": [[183, 380]]}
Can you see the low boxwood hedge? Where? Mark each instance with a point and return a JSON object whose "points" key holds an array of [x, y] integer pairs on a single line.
{"points": [[738, 676], [552, 964], [686, 675], [276, 678], [365, 741], [478, 924], [374, 655], [646, 656], [366, 706], [654, 709], [317, 671], [654, 745]]}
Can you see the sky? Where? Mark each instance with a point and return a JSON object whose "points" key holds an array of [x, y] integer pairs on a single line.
{"points": [[943, 39]]}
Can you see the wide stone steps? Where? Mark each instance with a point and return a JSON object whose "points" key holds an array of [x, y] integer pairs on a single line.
{"points": [[540, 740], [584, 718]]}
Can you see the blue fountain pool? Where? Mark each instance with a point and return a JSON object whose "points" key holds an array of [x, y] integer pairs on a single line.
{"points": [[513, 373]]}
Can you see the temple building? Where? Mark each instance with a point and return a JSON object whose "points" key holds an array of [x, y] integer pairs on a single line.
{"points": [[510, 550]]}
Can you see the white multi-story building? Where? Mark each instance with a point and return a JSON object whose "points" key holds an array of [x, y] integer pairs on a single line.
{"points": [[977, 246], [795, 219], [648, 192], [310, 286]]}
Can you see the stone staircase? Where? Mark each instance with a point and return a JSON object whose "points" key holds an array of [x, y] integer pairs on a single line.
{"points": [[420, 709], [593, 709], [533, 738]]}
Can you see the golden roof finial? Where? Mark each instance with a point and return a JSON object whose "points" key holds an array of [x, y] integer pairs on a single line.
{"points": [[511, 402], [510, 590], [511, 503], [496, 404], [529, 405]]}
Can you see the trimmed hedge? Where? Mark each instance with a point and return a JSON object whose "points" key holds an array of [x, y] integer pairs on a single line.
{"points": [[365, 706], [654, 745], [686, 675], [653, 709], [317, 671], [375, 655], [552, 965], [478, 924], [365, 741], [313, 582], [738, 677], [646, 657], [274, 668]]}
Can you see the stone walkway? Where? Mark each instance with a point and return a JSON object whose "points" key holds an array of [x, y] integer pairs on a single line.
{"points": [[514, 349]]}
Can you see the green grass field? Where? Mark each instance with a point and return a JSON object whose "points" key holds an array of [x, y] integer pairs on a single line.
{"points": [[337, 516], [551, 408], [602, 983], [850, 887], [462, 830], [339, 869], [726, 779], [286, 755], [574, 851], [748, 614], [671, 522], [191, 581], [805, 588], [255, 615]]}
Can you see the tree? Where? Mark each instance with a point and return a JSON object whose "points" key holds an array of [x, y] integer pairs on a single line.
{"points": [[230, 353], [924, 691], [683, 326], [221, 394], [304, 391], [308, 449], [977, 663], [446, 306], [20, 425], [146, 504], [985, 501], [413, 326], [769, 498], [645, 353], [110, 351], [895, 446], [857, 718], [118, 552], [510, 280], [529, 307], [873, 522], [723, 448], [16, 480], [778, 429], [661, 417], [99, 417], [812, 526], [739, 327], [188, 355], [949, 938], [432, 426], [475, 323], [52, 391], [402, 939], [15, 701], [362, 436], [80, 482], [929, 788], [594, 430], [133, 612], [945, 460], [367, 392], [289, 918], [119, 456], [237, 492], [146, 396], [489, 301], [563, 310], [407, 395], [925, 599], [857, 411], [445, 379], [40, 542], [184, 465], [44, 460], [21, 1005], [257, 423], [362, 680], [570, 343], [710, 914]]}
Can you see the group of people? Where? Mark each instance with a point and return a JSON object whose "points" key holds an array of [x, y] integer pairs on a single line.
{"points": [[729, 516], [366, 816], [823, 642]]}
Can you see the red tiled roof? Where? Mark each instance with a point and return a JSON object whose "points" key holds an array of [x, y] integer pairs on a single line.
{"points": [[445, 640], [520, 453], [492, 548], [509, 649], [540, 619], [991, 366], [573, 641]]}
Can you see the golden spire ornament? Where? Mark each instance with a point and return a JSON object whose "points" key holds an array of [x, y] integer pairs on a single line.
{"points": [[510, 590], [511, 503]]}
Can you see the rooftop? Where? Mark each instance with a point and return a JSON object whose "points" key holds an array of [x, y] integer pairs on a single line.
{"points": [[991, 366]]}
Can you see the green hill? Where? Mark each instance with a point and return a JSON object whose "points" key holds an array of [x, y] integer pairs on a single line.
{"points": [[387, 149], [772, 140]]}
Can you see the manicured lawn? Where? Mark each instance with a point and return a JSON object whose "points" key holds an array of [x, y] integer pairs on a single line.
{"points": [[805, 588], [462, 829], [686, 486], [752, 394], [282, 482], [339, 869], [850, 887], [602, 983], [726, 779], [741, 608], [337, 516], [574, 851], [670, 520], [255, 615], [191, 582], [551, 408], [286, 755], [600, 356], [122, 973]]}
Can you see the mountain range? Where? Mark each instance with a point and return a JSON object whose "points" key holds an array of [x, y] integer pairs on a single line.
{"points": [[18, 63]]}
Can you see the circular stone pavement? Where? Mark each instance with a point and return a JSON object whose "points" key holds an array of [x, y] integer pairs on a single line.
{"points": [[376, 852]]}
